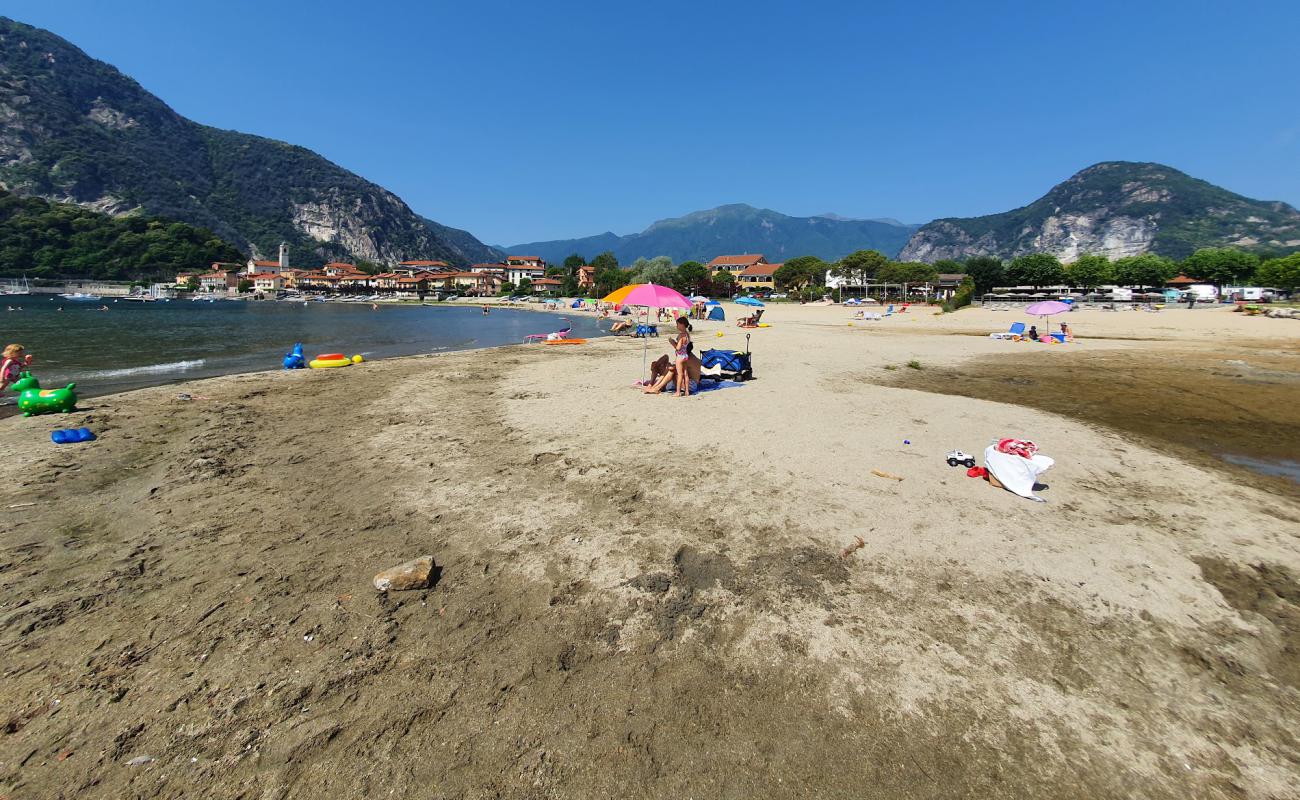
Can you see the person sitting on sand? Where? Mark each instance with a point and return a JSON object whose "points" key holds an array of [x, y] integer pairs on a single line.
{"points": [[1033, 333], [663, 375], [12, 367], [682, 349], [621, 325], [1065, 331]]}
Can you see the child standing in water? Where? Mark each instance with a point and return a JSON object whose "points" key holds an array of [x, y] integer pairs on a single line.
{"points": [[14, 362], [682, 347]]}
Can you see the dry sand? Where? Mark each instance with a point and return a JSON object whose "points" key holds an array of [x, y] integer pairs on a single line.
{"points": [[644, 597]]}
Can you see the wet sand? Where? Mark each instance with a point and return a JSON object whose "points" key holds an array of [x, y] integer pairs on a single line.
{"points": [[1237, 398]]}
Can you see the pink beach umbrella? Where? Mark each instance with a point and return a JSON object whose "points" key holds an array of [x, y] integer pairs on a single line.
{"points": [[1046, 309], [652, 296]]}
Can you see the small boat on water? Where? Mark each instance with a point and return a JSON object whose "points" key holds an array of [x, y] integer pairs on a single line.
{"points": [[14, 287], [80, 296]]}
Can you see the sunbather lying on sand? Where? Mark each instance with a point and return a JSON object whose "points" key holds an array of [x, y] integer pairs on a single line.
{"points": [[621, 325], [662, 375]]}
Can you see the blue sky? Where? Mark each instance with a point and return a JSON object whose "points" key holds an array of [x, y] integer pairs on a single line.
{"points": [[525, 121]]}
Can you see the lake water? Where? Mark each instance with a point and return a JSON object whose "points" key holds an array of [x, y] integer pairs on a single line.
{"points": [[146, 344]]}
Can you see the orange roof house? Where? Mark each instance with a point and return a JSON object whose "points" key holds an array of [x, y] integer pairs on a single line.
{"points": [[735, 264], [759, 276]]}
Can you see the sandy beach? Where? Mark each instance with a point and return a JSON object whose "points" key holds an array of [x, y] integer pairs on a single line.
{"points": [[645, 596]]}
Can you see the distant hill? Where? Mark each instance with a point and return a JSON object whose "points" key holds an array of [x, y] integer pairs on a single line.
{"points": [[77, 130], [1116, 208], [730, 229]]}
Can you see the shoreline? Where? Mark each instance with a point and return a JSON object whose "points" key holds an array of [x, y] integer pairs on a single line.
{"points": [[153, 375], [627, 581]]}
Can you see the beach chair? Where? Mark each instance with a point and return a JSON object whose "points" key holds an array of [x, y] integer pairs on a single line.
{"points": [[1016, 330], [646, 332], [889, 312]]}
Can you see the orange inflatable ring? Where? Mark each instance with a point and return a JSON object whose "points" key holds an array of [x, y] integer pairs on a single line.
{"points": [[565, 341]]}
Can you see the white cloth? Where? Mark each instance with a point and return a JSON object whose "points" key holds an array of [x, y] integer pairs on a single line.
{"points": [[1017, 473]]}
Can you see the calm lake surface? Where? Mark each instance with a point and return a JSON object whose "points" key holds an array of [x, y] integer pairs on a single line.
{"points": [[147, 344]]}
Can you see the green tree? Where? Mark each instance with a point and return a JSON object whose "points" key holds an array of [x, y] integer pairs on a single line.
{"points": [[1144, 270], [987, 273], [604, 261], [1090, 271], [192, 283], [1280, 273], [525, 285], [507, 288], [962, 297], [573, 262], [245, 286], [800, 272], [658, 270], [723, 283], [908, 272], [1036, 269], [570, 286], [859, 267], [947, 266], [369, 267], [691, 276], [1220, 265]]}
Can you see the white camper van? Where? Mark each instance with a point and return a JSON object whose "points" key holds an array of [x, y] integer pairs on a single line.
{"points": [[1250, 294]]}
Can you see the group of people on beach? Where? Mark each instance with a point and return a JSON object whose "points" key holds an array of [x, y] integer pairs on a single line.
{"points": [[1033, 335], [680, 372]]}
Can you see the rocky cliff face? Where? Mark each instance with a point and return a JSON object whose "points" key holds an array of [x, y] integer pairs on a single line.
{"points": [[77, 130], [1115, 209]]}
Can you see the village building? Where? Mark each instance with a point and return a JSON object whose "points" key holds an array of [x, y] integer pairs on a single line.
{"points": [[520, 267], [265, 281], [413, 267], [218, 281], [414, 284], [735, 264], [545, 285], [356, 282], [758, 276], [339, 269], [471, 283], [586, 277], [317, 279], [279, 265], [948, 284]]}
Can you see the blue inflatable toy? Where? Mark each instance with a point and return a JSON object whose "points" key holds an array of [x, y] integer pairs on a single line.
{"points": [[295, 360], [72, 436]]}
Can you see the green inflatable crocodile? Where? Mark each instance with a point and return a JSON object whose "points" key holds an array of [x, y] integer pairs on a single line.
{"points": [[33, 400]]}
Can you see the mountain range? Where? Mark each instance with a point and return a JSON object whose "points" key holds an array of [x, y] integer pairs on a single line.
{"points": [[736, 228], [77, 130], [1117, 209]]}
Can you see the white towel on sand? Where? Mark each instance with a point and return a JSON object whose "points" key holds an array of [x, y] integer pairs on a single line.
{"points": [[1017, 473]]}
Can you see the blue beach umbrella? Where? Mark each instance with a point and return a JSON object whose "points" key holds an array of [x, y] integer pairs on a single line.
{"points": [[749, 301], [713, 303]]}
